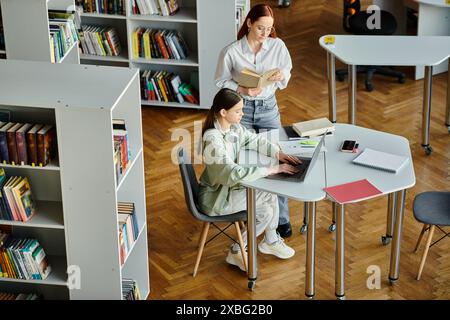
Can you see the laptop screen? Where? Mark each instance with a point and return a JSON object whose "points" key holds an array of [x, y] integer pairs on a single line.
{"points": [[315, 155]]}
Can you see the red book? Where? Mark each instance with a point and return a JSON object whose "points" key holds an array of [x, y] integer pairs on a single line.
{"points": [[352, 191]]}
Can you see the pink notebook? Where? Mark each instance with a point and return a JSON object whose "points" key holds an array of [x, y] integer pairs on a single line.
{"points": [[352, 191]]}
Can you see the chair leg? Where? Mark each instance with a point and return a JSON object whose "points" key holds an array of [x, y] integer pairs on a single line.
{"points": [[425, 252], [242, 224], [201, 246], [241, 244], [425, 226]]}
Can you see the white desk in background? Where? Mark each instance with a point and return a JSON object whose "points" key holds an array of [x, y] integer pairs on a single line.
{"points": [[427, 51], [433, 20], [339, 169]]}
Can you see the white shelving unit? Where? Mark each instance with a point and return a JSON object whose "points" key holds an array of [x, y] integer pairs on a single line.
{"points": [[26, 29], [77, 196], [206, 25]]}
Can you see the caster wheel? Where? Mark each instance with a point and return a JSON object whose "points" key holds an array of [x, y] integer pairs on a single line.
{"points": [[303, 228], [332, 227], [385, 240], [428, 150], [251, 285], [369, 86], [401, 80], [340, 77]]}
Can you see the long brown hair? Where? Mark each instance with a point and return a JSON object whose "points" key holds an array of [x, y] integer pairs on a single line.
{"points": [[224, 99], [257, 11]]}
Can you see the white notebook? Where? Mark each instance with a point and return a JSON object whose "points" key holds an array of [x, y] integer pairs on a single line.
{"points": [[381, 160]]}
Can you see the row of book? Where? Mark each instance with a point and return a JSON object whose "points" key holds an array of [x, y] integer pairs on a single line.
{"points": [[22, 258], [63, 34], [100, 41], [166, 87], [158, 44], [122, 153], [130, 290], [27, 143], [128, 228], [102, 6], [157, 7], [19, 296], [16, 198]]}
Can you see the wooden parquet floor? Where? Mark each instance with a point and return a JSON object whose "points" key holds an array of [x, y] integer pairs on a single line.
{"points": [[391, 107]]}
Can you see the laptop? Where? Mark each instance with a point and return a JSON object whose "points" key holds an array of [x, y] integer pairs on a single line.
{"points": [[304, 168]]}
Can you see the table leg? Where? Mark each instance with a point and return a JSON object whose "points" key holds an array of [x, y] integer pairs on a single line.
{"points": [[310, 249], [427, 109], [304, 227], [340, 253], [447, 115], [394, 269], [386, 239], [331, 69], [251, 238], [352, 94]]}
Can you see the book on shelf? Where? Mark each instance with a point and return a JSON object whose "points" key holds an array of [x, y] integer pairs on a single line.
{"points": [[46, 144], [128, 228], [251, 79], [12, 143], [31, 142], [22, 258], [16, 198], [130, 290], [352, 191], [381, 160], [122, 152], [313, 127], [158, 44], [114, 7], [19, 296], [21, 144], [102, 41], [154, 7]]}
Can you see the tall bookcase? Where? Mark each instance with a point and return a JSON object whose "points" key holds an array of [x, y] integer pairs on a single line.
{"points": [[77, 195], [206, 25], [26, 29]]}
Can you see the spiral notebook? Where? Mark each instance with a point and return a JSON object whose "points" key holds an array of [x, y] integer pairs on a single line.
{"points": [[381, 160]]}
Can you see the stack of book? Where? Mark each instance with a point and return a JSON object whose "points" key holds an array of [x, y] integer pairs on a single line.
{"points": [[19, 296], [63, 34], [22, 258], [100, 41], [128, 228], [313, 127], [158, 44], [158, 7], [121, 147], [130, 290], [166, 87], [27, 143], [16, 198], [102, 6]]}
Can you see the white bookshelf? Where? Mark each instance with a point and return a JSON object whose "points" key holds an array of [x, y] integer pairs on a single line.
{"points": [[206, 25], [26, 29], [77, 196]]}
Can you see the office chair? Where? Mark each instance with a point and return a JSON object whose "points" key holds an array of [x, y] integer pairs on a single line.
{"points": [[191, 189], [355, 22], [433, 210]]}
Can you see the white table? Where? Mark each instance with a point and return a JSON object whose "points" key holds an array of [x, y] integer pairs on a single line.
{"points": [[387, 50], [433, 20], [338, 169], [309, 192]]}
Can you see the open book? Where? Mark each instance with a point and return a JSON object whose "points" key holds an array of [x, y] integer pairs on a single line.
{"points": [[313, 127], [251, 79]]}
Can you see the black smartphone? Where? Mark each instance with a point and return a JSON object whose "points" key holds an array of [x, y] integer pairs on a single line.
{"points": [[348, 145]]}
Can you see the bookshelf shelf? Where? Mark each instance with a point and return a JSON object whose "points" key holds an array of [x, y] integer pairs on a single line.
{"points": [[104, 16], [184, 15], [191, 61], [77, 217], [49, 215], [130, 167], [139, 238], [205, 34], [57, 276], [52, 166], [123, 57], [27, 29]]}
